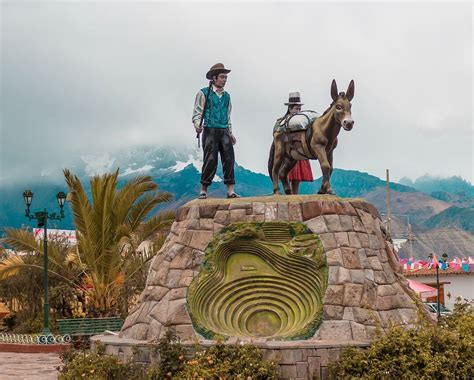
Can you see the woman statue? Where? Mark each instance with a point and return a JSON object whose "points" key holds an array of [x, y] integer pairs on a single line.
{"points": [[301, 172]]}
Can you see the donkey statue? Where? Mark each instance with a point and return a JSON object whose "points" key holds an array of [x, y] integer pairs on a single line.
{"points": [[317, 142]]}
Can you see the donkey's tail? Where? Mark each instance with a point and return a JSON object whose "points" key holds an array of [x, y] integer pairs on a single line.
{"points": [[271, 159]]}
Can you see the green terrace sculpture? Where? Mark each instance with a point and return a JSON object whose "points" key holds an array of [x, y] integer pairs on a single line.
{"points": [[260, 280]]}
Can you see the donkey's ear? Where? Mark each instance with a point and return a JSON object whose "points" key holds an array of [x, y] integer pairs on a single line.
{"points": [[350, 91], [334, 90]]}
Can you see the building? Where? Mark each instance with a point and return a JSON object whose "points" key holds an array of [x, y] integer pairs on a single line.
{"points": [[454, 281]]}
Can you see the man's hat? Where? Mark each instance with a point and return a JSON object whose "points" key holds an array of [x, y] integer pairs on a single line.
{"points": [[217, 69], [293, 99]]}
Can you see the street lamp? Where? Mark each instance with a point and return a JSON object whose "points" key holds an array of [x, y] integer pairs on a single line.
{"points": [[42, 217], [443, 259]]}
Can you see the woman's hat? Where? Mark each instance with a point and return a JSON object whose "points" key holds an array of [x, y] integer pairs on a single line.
{"points": [[217, 69], [293, 99]]}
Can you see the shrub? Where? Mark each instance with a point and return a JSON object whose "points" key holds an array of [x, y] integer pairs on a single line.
{"points": [[228, 362], [10, 320], [172, 357], [426, 351], [96, 366]]}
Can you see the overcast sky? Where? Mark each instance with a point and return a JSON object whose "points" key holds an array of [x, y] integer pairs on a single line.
{"points": [[86, 77]]}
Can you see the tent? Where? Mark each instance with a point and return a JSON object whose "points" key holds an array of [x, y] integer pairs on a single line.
{"points": [[424, 291]]}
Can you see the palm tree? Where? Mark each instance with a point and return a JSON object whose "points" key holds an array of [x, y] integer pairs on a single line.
{"points": [[110, 230]]}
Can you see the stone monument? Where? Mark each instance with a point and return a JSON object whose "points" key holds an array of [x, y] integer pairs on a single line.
{"points": [[300, 276]]}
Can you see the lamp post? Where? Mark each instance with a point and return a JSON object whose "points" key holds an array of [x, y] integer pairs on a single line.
{"points": [[42, 217], [443, 260]]}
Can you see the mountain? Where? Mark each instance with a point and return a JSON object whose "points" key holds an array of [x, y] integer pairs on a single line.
{"points": [[454, 190], [453, 217], [453, 241], [177, 170]]}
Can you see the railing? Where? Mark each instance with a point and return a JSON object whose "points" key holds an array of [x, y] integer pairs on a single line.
{"points": [[34, 338]]}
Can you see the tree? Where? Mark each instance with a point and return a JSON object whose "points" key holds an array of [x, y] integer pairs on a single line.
{"points": [[112, 231]]}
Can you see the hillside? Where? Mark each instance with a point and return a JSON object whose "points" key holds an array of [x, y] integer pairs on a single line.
{"points": [[178, 171], [453, 217], [454, 242]]}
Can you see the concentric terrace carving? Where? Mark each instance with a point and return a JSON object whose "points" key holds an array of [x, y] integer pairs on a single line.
{"points": [[260, 280]]}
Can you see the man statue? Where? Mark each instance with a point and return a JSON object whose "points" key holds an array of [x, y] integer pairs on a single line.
{"points": [[211, 115]]}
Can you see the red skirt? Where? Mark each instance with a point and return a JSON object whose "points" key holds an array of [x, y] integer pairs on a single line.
{"points": [[301, 172]]}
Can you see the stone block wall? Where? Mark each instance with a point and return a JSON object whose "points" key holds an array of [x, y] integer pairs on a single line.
{"points": [[365, 284]]}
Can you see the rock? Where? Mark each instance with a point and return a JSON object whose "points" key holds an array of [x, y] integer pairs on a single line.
{"points": [[222, 217], [333, 223], [334, 257], [237, 206], [342, 239], [283, 212], [386, 290], [271, 212], [354, 240], [182, 260], [329, 242], [311, 209], [358, 331], [294, 212], [364, 239], [352, 294], [334, 295], [201, 239], [317, 225], [350, 258], [160, 276], [207, 211], [154, 293], [344, 275], [178, 293], [332, 312], [346, 223], [206, 224], [237, 215], [258, 208], [357, 276], [374, 263], [335, 330], [177, 313], [369, 295]]}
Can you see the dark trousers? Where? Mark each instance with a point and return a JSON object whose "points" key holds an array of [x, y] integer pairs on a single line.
{"points": [[215, 141]]}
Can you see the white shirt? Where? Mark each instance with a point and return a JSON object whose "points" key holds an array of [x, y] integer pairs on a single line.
{"points": [[199, 105]]}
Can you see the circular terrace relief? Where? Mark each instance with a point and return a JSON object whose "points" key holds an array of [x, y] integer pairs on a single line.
{"points": [[260, 280]]}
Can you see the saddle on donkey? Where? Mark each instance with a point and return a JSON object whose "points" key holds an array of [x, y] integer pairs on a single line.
{"points": [[296, 122]]}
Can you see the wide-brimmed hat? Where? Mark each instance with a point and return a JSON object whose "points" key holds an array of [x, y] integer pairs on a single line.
{"points": [[293, 99], [217, 69]]}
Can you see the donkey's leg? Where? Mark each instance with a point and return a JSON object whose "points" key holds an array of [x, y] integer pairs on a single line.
{"points": [[287, 165], [320, 151], [277, 161]]}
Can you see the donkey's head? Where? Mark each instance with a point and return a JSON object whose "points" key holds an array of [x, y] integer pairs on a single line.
{"points": [[342, 105]]}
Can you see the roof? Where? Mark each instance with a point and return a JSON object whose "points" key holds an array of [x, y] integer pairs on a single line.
{"points": [[432, 272]]}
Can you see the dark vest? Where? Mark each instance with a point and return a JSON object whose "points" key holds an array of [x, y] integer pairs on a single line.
{"points": [[216, 114]]}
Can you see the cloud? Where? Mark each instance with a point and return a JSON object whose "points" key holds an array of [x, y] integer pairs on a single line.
{"points": [[86, 78]]}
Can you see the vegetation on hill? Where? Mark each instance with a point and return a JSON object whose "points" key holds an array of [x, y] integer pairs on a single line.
{"points": [[457, 217], [431, 184]]}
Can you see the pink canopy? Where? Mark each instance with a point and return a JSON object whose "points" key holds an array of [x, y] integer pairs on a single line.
{"points": [[424, 291]]}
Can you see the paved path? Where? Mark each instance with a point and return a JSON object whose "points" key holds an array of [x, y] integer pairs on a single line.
{"points": [[28, 366]]}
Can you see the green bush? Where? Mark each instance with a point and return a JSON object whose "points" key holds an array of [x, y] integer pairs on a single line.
{"points": [[427, 351], [96, 366], [217, 362], [228, 362]]}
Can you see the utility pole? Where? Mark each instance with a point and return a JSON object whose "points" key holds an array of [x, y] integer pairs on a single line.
{"points": [[389, 211]]}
